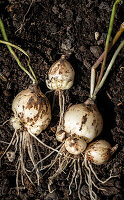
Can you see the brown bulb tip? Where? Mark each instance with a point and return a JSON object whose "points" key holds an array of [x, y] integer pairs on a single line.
{"points": [[89, 101], [63, 57]]}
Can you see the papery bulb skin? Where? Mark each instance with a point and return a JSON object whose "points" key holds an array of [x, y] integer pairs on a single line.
{"points": [[61, 75], [99, 152], [83, 120], [75, 145], [33, 110]]}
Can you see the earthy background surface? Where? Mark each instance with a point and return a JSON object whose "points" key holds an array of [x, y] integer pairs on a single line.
{"points": [[49, 29]]}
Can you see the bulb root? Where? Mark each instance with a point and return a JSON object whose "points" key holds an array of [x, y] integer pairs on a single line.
{"points": [[78, 167], [89, 181], [23, 142]]}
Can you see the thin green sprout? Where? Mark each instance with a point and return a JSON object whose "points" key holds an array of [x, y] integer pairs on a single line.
{"points": [[108, 39], [107, 70], [116, 37], [99, 60], [18, 61], [9, 45]]}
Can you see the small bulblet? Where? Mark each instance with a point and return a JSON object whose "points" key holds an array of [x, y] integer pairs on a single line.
{"points": [[99, 152], [60, 135], [33, 110], [14, 121], [75, 145], [61, 75], [83, 120]]}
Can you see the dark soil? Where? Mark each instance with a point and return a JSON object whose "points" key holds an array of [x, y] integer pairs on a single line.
{"points": [[48, 30]]}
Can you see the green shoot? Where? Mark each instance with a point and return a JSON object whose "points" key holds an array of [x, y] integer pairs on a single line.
{"points": [[9, 46], [92, 83], [107, 70], [108, 39], [116, 37]]}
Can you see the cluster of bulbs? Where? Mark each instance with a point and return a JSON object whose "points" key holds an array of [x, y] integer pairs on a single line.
{"points": [[81, 122], [78, 126]]}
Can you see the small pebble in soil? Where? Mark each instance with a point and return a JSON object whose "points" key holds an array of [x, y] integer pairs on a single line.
{"points": [[82, 48], [78, 19], [69, 15], [96, 51], [96, 35], [55, 10], [67, 45], [6, 93], [4, 187], [86, 64], [102, 39], [51, 196], [11, 156], [105, 6]]}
